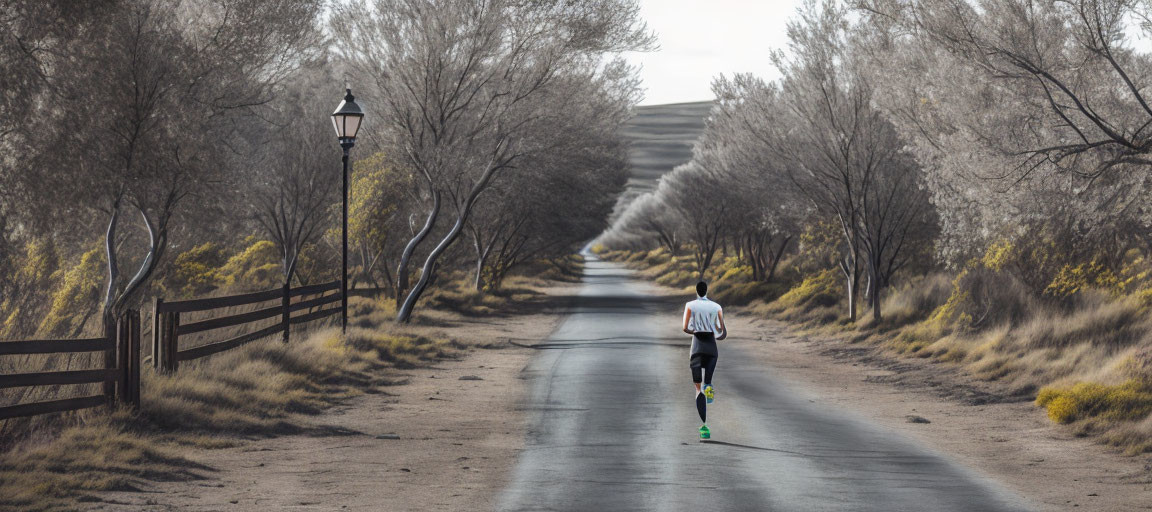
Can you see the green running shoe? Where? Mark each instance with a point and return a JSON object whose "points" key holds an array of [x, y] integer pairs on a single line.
{"points": [[709, 393], [704, 432]]}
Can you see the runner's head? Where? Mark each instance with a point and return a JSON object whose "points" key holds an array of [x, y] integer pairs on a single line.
{"points": [[701, 288]]}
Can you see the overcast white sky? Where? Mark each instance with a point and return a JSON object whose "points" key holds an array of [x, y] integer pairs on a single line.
{"points": [[700, 39]]}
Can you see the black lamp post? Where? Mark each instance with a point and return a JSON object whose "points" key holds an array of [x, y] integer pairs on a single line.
{"points": [[347, 119]]}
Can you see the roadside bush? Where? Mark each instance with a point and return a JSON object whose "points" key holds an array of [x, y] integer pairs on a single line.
{"points": [[1128, 401], [917, 299], [633, 257], [196, 271], [1139, 367], [821, 290], [457, 292], [1074, 279], [659, 256], [982, 298], [1111, 324], [678, 272], [77, 298], [817, 247], [257, 267]]}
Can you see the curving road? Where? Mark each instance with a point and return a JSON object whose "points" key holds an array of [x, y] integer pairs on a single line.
{"points": [[614, 429]]}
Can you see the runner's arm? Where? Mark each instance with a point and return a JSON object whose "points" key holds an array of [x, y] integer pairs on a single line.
{"points": [[723, 328], [687, 315]]}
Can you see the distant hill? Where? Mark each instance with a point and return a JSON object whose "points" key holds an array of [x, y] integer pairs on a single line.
{"points": [[660, 138]]}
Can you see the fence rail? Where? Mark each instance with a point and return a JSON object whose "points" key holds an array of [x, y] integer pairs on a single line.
{"points": [[169, 328], [120, 372]]}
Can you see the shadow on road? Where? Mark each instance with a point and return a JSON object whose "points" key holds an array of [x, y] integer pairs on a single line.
{"points": [[750, 447], [619, 342]]}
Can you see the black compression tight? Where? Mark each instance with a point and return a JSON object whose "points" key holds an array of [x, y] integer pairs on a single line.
{"points": [[702, 407], [702, 364]]}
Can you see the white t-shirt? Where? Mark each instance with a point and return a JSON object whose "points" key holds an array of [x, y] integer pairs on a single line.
{"points": [[705, 315]]}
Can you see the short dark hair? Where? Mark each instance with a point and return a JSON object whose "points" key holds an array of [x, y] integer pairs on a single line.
{"points": [[701, 288]]}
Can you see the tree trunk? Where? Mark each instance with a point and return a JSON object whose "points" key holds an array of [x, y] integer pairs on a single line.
{"points": [[406, 256], [852, 277], [108, 316], [115, 298], [479, 281], [776, 259], [853, 282], [876, 302], [404, 314]]}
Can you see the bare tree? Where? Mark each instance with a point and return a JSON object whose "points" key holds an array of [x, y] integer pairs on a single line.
{"points": [[844, 155], [1068, 61], [556, 200], [1029, 116], [645, 217], [769, 213], [176, 78], [696, 191], [295, 193], [824, 129], [466, 86]]}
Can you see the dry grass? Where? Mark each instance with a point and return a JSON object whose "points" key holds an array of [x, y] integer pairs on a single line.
{"points": [[258, 389], [916, 299], [255, 389], [104, 454], [1087, 361], [1126, 402], [261, 389]]}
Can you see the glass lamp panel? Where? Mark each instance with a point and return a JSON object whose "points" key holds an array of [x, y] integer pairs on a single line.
{"points": [[336, 125], [351, 126]]}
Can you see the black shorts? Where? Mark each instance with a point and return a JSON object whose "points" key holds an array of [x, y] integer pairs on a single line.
{"points": [[702, 363]]}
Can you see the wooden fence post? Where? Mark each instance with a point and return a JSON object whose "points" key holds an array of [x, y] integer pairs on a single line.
{"points": [[285, 303], [128, 358], [164, 343], [157, 328], [123, 328], [173, 342], [133, 374], [110, 360]]}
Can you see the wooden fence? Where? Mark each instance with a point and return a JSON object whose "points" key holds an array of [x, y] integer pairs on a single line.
{"points": [[167, 327], [120, 371]]}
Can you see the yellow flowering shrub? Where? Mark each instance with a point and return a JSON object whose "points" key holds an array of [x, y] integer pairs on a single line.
{"points": [[1131, 400], [78, 296], [41, 261], [256, 267], [736, 272], [998, 255], [823, 289], [1074, 279], [196, 271]]}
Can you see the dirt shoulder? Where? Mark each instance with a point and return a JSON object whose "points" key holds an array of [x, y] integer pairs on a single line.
{"points": [[1013, 442], [442, 438]]}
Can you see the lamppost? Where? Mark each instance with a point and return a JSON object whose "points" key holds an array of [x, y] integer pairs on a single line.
{"points": [[346, 119]]}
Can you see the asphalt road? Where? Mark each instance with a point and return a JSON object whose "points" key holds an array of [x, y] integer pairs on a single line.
{"points": [[614, 429]]}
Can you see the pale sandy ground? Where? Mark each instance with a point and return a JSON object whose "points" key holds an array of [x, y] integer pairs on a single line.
{"points": [[458, 439], [1014, 443], [434, 443]]}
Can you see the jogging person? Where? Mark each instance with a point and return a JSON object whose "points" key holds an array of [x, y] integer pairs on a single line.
{"points": [[703, 319]]}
